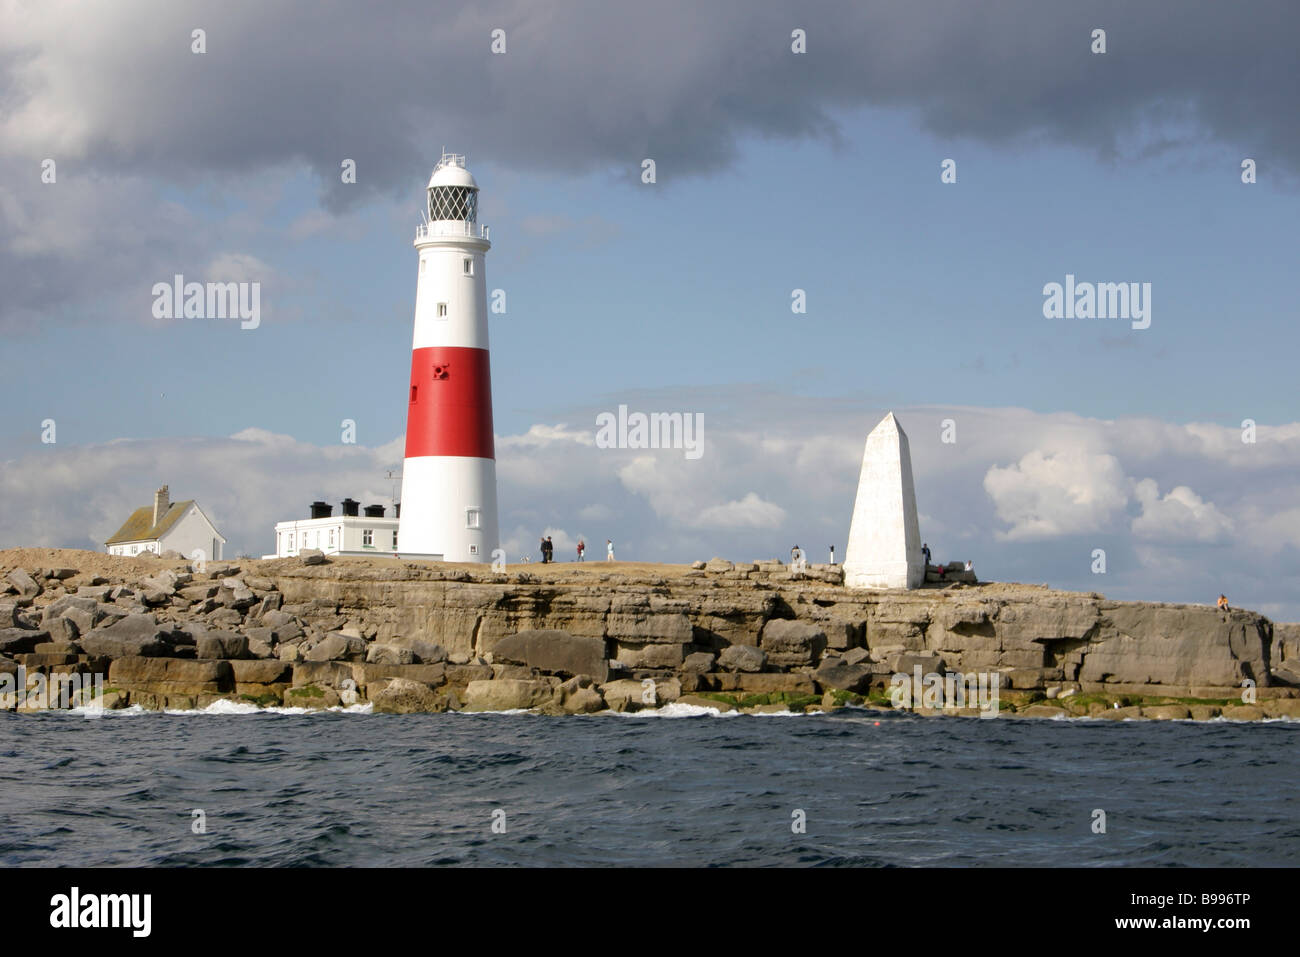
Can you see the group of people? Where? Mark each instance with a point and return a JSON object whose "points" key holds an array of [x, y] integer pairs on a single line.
{"points": [[925, 557], [548, 550]]}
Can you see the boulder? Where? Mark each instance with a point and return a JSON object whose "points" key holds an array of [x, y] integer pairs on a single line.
{"points": [[376, 674], [843, 635], [312, 556], [324, 674], [844, 677], [654, 656], [856, 656], [337, 647], [171, 676], [221, 644], [136, 635], [555, 652], [792, 644], [508, 695], [63, 629], [718, 565], [742, 658], [1167, 712], [425, 652], [699, 663], [28, 587], [402, 696], [389, 655], [699, 702], [253, 671], [61, 606], [627, 694], [583, 701], [20, 640]]}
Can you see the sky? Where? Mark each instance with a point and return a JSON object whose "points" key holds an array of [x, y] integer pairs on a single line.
{"points": [[1172, 448]]}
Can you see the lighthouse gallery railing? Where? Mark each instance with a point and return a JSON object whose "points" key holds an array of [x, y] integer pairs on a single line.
{"points": [[451, 227]]}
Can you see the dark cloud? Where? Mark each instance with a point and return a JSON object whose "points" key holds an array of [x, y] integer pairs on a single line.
{"points": [[595, 85], [115, 93]]}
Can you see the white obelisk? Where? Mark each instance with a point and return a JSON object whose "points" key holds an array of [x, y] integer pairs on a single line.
{"points": [[884, 548]]}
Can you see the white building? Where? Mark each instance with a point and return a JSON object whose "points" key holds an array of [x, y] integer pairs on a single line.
{"points": [[351, 533], [168, 526]]}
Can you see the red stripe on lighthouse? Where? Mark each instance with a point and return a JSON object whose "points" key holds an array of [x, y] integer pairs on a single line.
{"points": [[450, 403]]}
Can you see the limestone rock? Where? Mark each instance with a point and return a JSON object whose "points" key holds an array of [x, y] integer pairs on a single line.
{"points": [[508, 695], [626, 694], [843, 677], [136, 635], [792, 644], [221, 644], [699, 663], [741, 658], [171, 676], [20, 640], [337, 647], [402, 696], [555, 652], [389, 655], [28, 587]]}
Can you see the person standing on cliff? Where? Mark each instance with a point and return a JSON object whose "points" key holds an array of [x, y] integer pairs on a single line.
{"points": [[609, 550], [925, 554], [582, 549], [543, 549], [550, 549]]}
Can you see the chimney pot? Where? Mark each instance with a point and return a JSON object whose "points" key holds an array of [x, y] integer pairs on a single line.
{"points": [[160, 504]]}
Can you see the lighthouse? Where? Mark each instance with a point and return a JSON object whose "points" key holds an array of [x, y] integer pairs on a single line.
{"points": [[449, 482]]}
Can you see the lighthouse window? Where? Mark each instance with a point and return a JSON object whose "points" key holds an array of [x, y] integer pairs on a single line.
{"points": [[368, 537], [394, 539], [469, 267], [472, 517], [442, 310]]}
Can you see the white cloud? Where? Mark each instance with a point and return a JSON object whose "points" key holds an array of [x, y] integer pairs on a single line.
{"points": [[1049, 495], [1181, 516], [748, 512], [1238, 532]]}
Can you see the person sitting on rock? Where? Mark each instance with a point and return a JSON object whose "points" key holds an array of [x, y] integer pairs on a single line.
{"points": [[1223, 603]]}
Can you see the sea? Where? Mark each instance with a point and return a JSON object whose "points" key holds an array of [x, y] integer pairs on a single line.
{"points": [[679, 786]]}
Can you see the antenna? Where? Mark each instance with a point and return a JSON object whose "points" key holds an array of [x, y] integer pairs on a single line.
{"points": [[394, 477]]}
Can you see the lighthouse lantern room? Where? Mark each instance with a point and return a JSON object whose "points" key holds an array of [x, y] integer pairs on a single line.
{"points": [[449, 487]]}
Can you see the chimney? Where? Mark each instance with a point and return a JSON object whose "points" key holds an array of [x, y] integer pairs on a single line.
{"points": [[160, 504]]}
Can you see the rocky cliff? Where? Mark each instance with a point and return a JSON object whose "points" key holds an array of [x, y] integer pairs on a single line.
{"points": [[584, 637]]}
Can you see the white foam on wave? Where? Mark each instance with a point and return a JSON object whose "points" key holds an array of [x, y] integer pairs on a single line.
{"points": [[222, 706], [676, 710]]}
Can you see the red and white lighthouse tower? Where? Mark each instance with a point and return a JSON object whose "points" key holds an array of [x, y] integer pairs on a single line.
{"points": [[449, 481]]}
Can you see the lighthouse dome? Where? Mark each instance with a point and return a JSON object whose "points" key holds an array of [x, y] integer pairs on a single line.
{"points": [[451, 171], [453, 194]]}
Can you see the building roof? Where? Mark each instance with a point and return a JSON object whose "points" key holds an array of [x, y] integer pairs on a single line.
{"points": [[140, 528]]}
